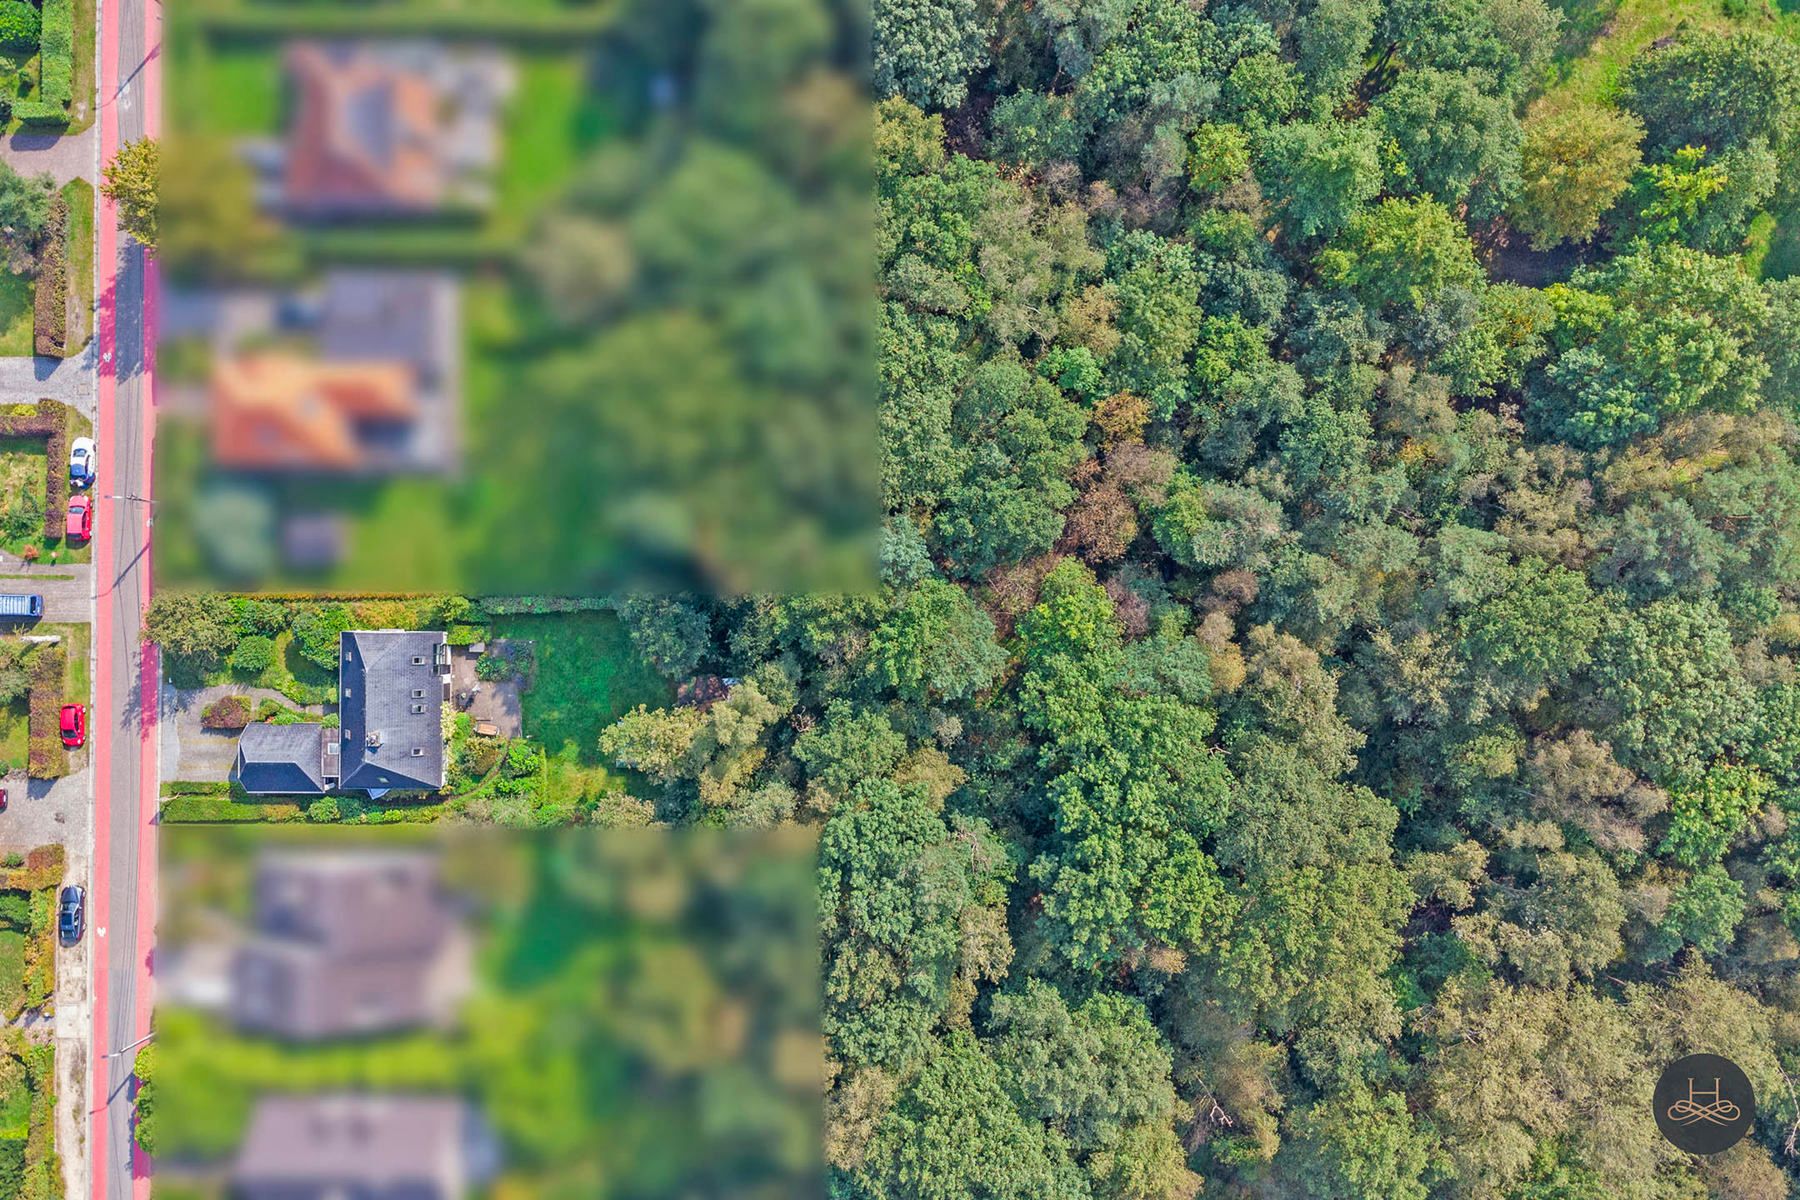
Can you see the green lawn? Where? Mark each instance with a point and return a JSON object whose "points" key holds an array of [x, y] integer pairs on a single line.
{"points": [[76, 641], [1601, 36], [227, 88], [587, 675], [22, 500], [15, 729], [80, 195], [16, 292]]}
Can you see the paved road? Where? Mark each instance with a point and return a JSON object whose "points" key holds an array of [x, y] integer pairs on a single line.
{"points": [[124, 722]]}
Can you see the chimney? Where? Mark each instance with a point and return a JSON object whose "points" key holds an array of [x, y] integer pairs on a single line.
{"points": [[374, 739]]}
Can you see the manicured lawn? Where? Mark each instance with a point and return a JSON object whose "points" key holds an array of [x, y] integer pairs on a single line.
{"points": [[227, 88], [80, 195], [15, 314], [76, 640], [15, 728], [587, 676]]}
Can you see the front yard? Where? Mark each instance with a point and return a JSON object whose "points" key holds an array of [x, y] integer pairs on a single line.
{"points": [[15, 314]]}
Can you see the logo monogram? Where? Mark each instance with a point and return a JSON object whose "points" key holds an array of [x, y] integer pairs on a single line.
{"points": [[1704, 1106]]}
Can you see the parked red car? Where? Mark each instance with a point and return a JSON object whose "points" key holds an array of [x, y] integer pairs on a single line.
{"points": [[74, 725], [81, 518]]}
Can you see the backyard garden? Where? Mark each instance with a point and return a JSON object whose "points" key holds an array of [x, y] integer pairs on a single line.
{"points": [[34, 480], [28, 1161], [574, 664], [47, 269]]}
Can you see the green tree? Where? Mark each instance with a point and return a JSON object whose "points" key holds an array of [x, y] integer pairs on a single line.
{"points": [[1400, 255], [1322, 171], [131, 181], [936, 644], [926, 49], [1575, 161], [1358, 1145]]}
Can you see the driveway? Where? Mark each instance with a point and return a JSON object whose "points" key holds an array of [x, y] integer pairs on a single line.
{"points": [[65, 158], [192, 753], [67, 589], [71, 380]]}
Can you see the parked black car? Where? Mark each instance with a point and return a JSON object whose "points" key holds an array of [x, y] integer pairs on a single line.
{"points": [[71, 913]]}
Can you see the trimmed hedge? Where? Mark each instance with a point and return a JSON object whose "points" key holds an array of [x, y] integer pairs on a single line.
{"points": [[56, 67], [50, 313], [186, 787], [45, 756], [225, 810], [19, 24]]}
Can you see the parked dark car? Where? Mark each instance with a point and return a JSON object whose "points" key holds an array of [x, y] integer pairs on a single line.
{"points": [[71, 913]]}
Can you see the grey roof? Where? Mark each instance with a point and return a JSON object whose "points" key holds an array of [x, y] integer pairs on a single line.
{"points": [[390, 704], [344, 944], [282, 759], [391, 315], [349, 1146]]}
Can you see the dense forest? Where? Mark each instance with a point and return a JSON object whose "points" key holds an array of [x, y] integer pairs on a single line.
{"points": [[1330, 724]]}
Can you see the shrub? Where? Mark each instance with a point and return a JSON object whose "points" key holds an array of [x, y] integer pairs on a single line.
{"points": [[227, 712], [316, 634], [465, 635], [50, 296], [493, 667], [18, 25], [183, 787], [56, 50], [220, 810], [45, 757], [323, 811], [254, 654]]}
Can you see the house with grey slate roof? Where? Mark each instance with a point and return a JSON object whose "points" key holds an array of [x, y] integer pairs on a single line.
{"points": [[392, 686], [361, 1146]]}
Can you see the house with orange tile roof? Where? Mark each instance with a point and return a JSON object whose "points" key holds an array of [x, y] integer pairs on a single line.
{"points": [[279, 411], [390, 128]]}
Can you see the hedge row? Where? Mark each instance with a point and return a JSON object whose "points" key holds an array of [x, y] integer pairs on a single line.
{"points": [[502, 606], [50, 315], [56, 67], [495, 22], [225, 810], [45, 758], [41, 868], [185, 787]]}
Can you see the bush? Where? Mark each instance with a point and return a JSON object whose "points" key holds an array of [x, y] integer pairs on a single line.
{"points": [[48, 419], [226, 810], [182, 787], [18, 25], [323, 811], [493, 667], [465, 635], [254, 654], [316, 634], [50, 296], [45, 758], [227, 712], [56, 51]]}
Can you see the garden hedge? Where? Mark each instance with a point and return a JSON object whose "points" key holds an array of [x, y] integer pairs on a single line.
{"points": [[19, 24], [56, 67], [225, 810], [45, 757], [50, 314]]}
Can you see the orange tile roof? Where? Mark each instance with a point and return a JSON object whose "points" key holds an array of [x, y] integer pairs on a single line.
{"points": [[279, 410], [365, 132]]}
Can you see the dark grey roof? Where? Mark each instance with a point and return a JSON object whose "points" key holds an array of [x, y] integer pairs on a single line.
{"points": [[282, 759], [349, 1146], [390, 703]]}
